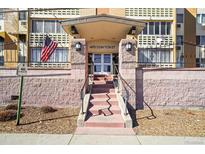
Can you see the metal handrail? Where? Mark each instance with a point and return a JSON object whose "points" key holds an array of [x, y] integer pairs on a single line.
{"points": [[126, 97], [123, 81], [84, 89]]}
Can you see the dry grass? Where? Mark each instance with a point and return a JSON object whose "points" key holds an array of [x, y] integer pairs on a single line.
{"points": [[63, 121], [171, 122], [48, 109]]}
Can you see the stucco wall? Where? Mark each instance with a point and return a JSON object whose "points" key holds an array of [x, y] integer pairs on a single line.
{"points": [[43, 87]]}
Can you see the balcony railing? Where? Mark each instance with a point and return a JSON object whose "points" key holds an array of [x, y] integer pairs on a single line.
{"points": [[150, 13], [10, 57], [150, 40], [64, 65], [36, 39], [55, 13]]}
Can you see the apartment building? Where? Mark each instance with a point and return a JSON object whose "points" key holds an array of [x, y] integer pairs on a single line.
{"points": [[161, 43]]}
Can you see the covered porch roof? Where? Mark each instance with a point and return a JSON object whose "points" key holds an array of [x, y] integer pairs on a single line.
{"points": [[102, 27]]}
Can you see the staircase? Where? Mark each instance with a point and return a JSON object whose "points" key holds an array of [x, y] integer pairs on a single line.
{"points": [[103, 113]]}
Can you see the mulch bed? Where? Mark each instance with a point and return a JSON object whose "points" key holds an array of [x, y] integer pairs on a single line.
{"points": [[34, 120], [176, 122]]}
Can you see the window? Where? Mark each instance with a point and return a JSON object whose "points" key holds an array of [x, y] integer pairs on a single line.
{"points": [[59, 28], [197, 40], [49, 26], [180, 18], [46, 26], [60, 55], [1, 52], [151, 28], [198, 16], [22, 15], [201, 18], [154, 55], [168, 28], [179, 40], [156, 27], [202, 40], [1, 14], [37, 26], [145, 29], [163, 30]]}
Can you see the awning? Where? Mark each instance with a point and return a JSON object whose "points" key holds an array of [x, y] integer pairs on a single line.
{"points": [[103, 27], [3, 34]]}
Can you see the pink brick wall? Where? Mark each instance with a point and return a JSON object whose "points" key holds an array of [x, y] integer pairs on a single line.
{"points": [[173, 87], [41, 87]]}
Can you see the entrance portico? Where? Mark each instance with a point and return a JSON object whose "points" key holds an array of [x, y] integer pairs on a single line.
{"points": [[102, 35]]}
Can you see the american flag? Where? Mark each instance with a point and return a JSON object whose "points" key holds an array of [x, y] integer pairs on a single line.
{"points": [[48, 49]]}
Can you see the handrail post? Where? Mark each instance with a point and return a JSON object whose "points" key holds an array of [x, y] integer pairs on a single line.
{"points": [[118, 83], [125, 110], [82, 99]]}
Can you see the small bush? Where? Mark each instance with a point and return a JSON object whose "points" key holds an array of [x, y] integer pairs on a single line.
{"points": [[48, 109], [11, 107], [7, 115]]}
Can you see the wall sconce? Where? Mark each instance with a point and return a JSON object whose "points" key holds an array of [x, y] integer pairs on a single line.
{"points": [[128, 46], [78, 46]]}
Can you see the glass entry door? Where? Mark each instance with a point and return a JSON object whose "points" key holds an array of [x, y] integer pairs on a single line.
{"points": [[102, 63]]}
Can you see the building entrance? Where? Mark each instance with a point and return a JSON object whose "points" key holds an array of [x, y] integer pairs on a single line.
{"points": [[102, 63]]}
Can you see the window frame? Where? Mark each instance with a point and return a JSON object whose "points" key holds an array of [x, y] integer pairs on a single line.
{"points": [[181, 42], [180, 20], [43, 26], [25, 15], [55, 58]]}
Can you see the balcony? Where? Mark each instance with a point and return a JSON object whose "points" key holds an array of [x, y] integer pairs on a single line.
{"points": [[50, 65], [36, 39], [149, 41], [150, 13], [55, 13]]}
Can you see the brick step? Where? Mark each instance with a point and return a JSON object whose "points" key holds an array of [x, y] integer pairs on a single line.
{"points": [[103, 77], [104, 131], [103, 95], [103, 102], [114, 120], [103, 85], [104, 109], [102, 90], [100, 82]]}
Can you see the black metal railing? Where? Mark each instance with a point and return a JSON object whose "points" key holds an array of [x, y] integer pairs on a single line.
{"points": [[125, 96], [86, 88]]}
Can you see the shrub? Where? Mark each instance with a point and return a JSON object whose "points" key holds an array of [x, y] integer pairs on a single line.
{"points": [[11, 107], [7, 115], [48, 109]]}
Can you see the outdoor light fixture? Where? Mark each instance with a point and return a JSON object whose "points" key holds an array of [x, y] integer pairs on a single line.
{"points": [[128, 46], [78, 46], [74, 30], [132, 30]]}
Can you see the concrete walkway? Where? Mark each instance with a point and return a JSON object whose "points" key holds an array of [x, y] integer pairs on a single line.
{"points": [[58, 139]]}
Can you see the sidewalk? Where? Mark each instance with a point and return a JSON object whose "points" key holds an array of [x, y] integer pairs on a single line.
{"points": [[65, 139]]}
